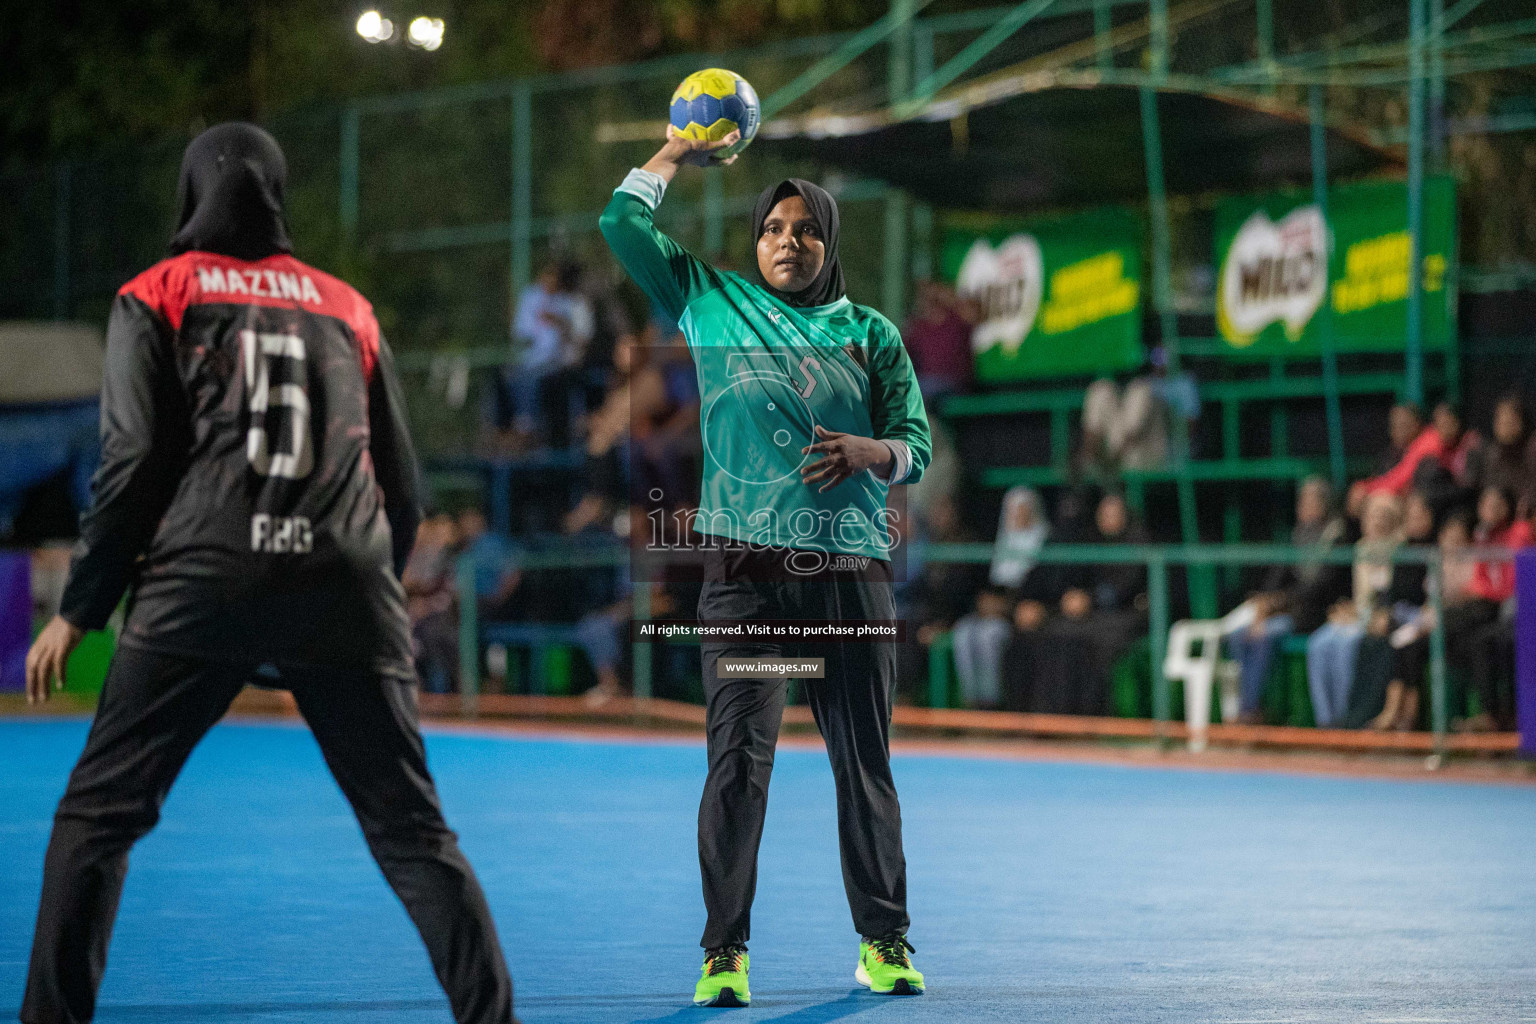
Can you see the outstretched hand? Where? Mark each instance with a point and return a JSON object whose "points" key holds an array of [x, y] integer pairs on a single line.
{"points": [[843, 455], [49, 654], [681, 150], [701, 153]]}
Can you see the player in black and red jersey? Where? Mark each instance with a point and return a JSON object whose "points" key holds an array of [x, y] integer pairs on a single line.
{"points": [[256, 498]]}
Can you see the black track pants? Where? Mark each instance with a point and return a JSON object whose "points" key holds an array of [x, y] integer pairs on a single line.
{"points": [[154, 709], [852, 707]]}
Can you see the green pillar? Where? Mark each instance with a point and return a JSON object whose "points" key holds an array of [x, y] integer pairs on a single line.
{"points": [[1158, 16], [642, 648], [1232, 533], [899, 80], [1265, 12], [940, 657], [1279, 434], [1438, 130], [1437, 125], [1103, 22], [1413, 369], [62, 180], [899, 58], [522, 188], [1157, 627], [1157, 208], [922, 242], [469, 637], [1336, 469], [1202, 579], [350, 117], [922, 213], [894, 290], [922, 51], [1439, 710]]}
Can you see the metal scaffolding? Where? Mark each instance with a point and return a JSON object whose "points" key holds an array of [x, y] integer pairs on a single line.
{"points": [[1419, 64], [1431, 48]]}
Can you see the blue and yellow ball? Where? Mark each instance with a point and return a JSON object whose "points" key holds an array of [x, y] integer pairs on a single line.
{"points": [[712, 103]]}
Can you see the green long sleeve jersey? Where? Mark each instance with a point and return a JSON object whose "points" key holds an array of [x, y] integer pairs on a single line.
{"points": [[768, 374]]}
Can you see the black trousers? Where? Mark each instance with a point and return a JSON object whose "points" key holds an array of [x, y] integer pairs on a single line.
{"points": [[1468, 649], [154, 709], [1493, 670], [852, 708]]}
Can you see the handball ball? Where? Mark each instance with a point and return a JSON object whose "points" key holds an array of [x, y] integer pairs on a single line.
{"points": [[712, 103]]}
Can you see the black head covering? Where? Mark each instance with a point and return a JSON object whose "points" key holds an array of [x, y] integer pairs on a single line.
{"points": [[231, 194], [827, 285]]}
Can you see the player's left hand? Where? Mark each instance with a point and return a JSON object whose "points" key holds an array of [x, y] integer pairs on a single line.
{"points": [[843, 455], [48, 656]]}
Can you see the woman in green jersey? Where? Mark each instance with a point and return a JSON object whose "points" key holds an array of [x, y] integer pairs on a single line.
{"points": [[810, 411]]}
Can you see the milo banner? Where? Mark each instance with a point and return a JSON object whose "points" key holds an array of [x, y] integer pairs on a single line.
{"points": [[1057, 297], [1273, 252]]}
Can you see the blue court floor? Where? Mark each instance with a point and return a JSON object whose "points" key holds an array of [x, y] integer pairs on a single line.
{"points": [[1039, 892]]}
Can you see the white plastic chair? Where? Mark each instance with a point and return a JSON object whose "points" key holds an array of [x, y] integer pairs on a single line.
{"points": [[1201, 672]]}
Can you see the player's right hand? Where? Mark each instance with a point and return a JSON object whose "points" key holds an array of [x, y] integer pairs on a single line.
{"points": [[697, 151], [49, 654]]}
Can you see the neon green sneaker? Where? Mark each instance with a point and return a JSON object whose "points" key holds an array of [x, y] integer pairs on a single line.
{"points": [[723, 982], [885, 967]]}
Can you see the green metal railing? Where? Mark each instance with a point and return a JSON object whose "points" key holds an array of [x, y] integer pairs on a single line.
{"points": [[1158, 558]]}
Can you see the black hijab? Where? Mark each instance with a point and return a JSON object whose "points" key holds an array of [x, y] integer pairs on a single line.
{"points": [[827, 285], [231, 194]]}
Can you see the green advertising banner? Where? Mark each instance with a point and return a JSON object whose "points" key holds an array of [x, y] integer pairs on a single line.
{"points": [[1058, 297], [1271, 250]]}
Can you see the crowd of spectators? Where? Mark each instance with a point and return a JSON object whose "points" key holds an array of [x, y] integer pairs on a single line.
{"points": [[1445, 486], [1045, 638], [616, 392], [1034, 637], [1026, 635]]}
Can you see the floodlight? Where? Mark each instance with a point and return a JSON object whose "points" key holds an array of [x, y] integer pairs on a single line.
{"points": [[374, 27], [425, 33]]}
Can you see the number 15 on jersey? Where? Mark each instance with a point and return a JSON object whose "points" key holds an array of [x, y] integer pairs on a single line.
{"points": [[260, 351]]}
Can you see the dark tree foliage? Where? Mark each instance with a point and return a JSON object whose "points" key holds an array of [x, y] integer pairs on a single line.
{"points": [[84, 77]]}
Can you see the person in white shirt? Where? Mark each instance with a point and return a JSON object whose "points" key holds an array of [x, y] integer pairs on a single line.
{"points": [[550, 333]]}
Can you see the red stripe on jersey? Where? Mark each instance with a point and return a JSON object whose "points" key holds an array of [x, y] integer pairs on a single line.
{"points": [[171, 286]]}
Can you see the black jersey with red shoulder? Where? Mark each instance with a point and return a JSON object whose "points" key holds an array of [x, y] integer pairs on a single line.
{"points": [[257, 489]]}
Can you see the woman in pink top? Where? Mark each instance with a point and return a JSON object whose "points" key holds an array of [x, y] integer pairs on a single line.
{"points": [[1445, 440]]}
